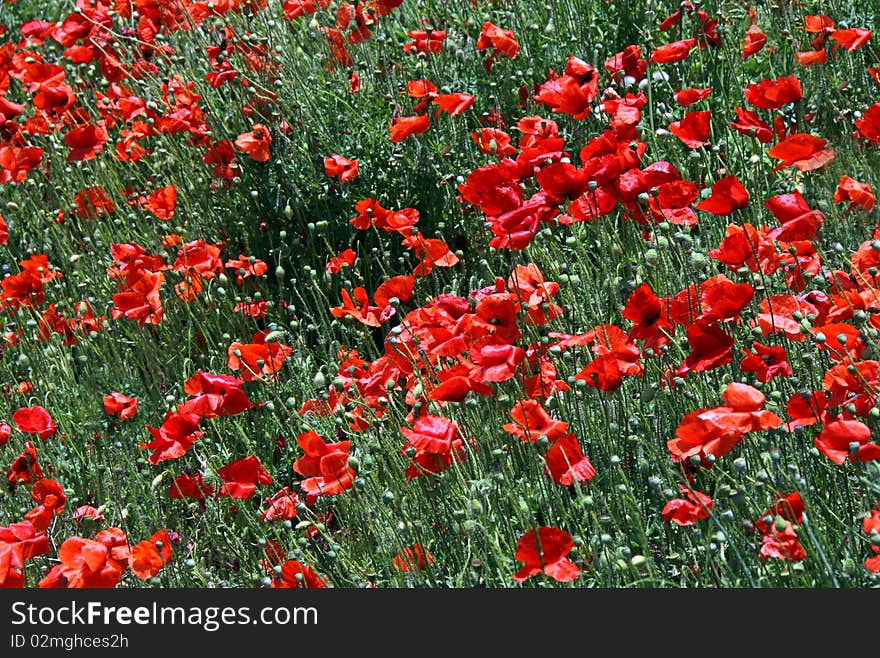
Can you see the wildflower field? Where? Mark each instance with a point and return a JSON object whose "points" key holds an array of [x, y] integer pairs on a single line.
{"points": [[439, 293]]}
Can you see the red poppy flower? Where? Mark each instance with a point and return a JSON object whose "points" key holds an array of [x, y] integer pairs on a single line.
{"points": [[687, 97], [343, 258], [804, 411], [494, 141], [500, 41], [50, 499], [687, 511], [93, 202], [773, 94], [672, 52], [325, 465], [565, 462], [85, 142], [850, 39], [174, 437], [139, 298], [728, 194], [255, 143], [241, 477], [188, 486], [843, 438], [798, 221], [869, 125], [214, 395], [282, 506], [710, 348], [693, 129], [532, 421], [544, 551], [804, 152], [35, 420], [453, 104], [403, 127], [716, 431], [98, 562], [790, 507], [117, 404], [811, 57], [257, 360], [870, 526], [396, 287], [754, 41], [855, 193], [19, 542], [782, 545], [750, 124], [340, 167], [412, 558], [296, 575], [162, 202], [24, 468], [149, 556], [5, 433], [767, 362]]}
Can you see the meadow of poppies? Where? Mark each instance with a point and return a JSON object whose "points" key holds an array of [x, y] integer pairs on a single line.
{"points": [[398, 293]]}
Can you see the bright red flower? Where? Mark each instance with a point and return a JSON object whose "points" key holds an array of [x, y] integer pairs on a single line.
{"points": [[499, 41], [843, 438], [717, 430], [174, 437], [214, 395], [162, 202], [50, 499], [281, 506], [767, 362], [325, 465], [24, 468], [687, 511], [728, 194], [850, 39], [790, 507], [782, 545], [802, 151], [255, 143], [672, 52], [412, 558], [35, 420], [532, 421], [188, 486], [19, 542], [296, 575], [241, 477], [149, 556], [687, 97], [117, 404], [403, 127], [257, 360], [693, 129], [855, 193], [425, 41], [336, 263], [754, 41], [98, 562], [773, 94], [85, 142], [748, 123], [544, 551], [565, 462], [340, 167]]}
